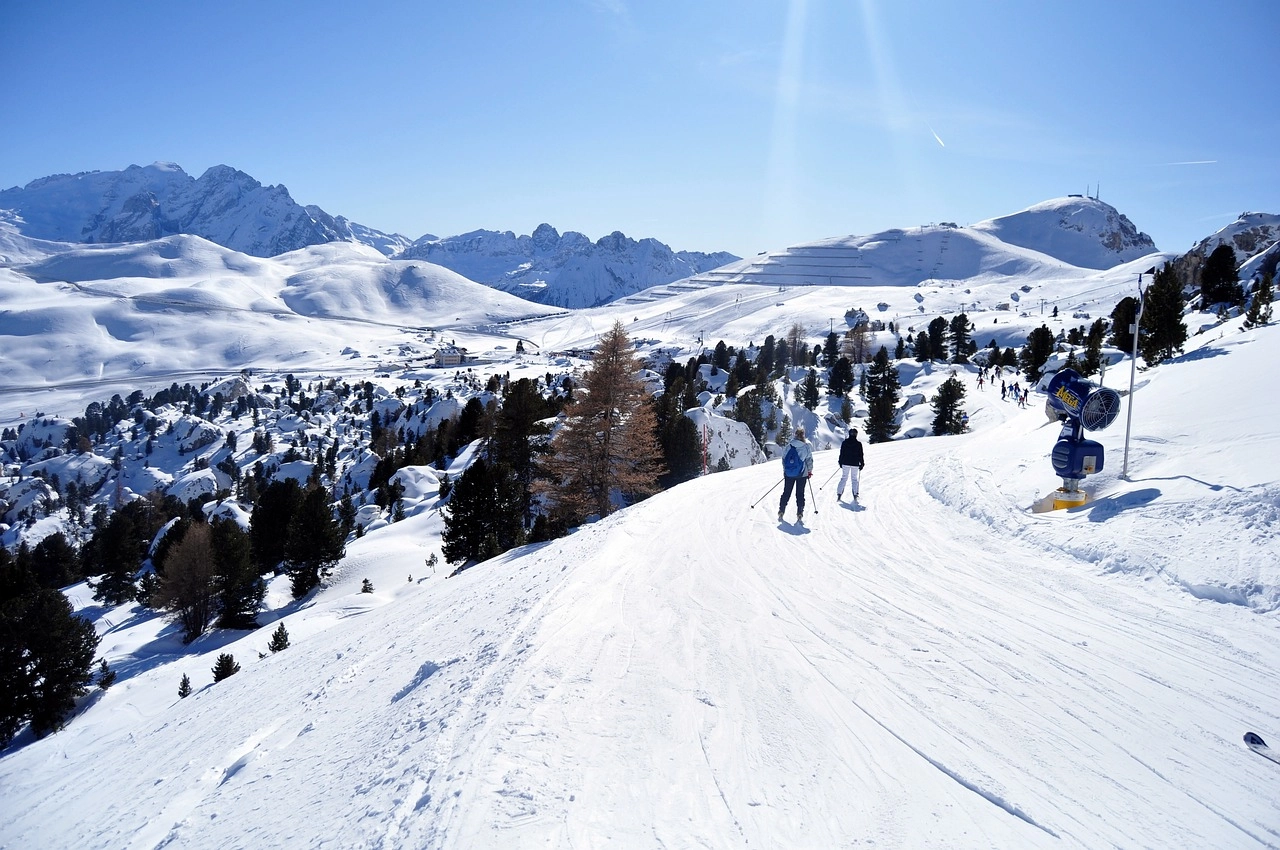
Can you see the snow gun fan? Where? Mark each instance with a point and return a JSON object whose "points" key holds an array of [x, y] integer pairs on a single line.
{"points": [[1081, 406]]}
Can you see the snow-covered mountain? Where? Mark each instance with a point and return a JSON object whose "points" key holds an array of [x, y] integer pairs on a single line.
{"points": [[564, 270], [1255, 238], [223, 205], [1081, 231], [234, 210]]}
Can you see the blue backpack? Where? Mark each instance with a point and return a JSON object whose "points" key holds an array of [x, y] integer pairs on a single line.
{"points": [[792, 465]]}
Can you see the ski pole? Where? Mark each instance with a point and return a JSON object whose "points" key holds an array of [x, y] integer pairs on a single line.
{"points": [[828, 481], [766, 492]]}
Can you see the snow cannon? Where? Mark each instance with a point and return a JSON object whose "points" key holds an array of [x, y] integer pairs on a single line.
{"points": [[1082, 406], [1094, 407]]}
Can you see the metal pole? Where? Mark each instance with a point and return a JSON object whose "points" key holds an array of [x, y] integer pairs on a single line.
{"points": [[1133, 367]]}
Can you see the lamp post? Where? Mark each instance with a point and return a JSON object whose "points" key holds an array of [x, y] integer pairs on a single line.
{"points": [[1133, 367]]}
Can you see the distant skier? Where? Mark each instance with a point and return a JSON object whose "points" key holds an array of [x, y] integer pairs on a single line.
{"points": [[850, 464], [797, 467]]}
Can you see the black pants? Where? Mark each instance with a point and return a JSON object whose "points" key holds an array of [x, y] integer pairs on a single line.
{"points": [[798, 484]]}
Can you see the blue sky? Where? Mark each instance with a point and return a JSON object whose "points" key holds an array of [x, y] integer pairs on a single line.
{"points": [[742, 126]]}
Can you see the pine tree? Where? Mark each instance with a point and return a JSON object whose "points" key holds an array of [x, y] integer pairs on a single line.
{"points": [[883, 392], [1220, 279], [269, 525], [921, 350], [938, 338], [106, 676], [240, 590], [1123, 318], [747, 411], [809, 394], [1036, 353], [1163, 333], [1259, 312], [280, 638], [947, 412], [484, 517], [366, 586], [607, 447], [961, 338], [184, 687], [841, 379], [226, 666], [315, 543], [518, 434], [46, 656]]}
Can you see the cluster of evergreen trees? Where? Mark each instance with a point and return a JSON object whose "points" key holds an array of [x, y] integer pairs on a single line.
{"points": [[46, 652]]}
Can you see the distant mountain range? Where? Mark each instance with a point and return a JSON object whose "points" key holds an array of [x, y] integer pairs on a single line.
{"points": [[232, 209]]}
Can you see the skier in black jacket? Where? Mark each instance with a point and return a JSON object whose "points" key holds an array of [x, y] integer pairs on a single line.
{"points": [[850, 464]]}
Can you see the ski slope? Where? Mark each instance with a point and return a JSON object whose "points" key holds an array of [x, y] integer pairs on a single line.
{"points": [[942, 667]]}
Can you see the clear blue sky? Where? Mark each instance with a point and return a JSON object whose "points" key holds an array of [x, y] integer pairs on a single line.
{"points": [[743, 126]]}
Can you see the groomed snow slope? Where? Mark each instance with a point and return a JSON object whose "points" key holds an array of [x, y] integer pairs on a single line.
{"points": [[941, 668]]}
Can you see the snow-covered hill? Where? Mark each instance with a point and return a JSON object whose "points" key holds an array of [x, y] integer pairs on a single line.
{"points": [[109, 315], [941, 666], [566, 270], [1080, 231]]}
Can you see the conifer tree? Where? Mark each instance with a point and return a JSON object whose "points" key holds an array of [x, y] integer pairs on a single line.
{"points": [[947, 412], [921, 350], [184, 687], [883, 392], [1220, 279], [46, 656], [747, 411], [841, 379], [366, 586], [1259, 312], [1123, 317], [484, 517], [1035, 354], [315, 544], [517, 436], [809, 394], [240, 590], [279, 638], [961, 332], [225, 667], [831, 348], [938, 338], [607, 447], [1163, 333], [269, 525], [106, 676]]}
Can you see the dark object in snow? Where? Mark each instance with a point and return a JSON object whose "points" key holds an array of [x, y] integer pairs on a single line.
{"points": [[1254, 741]]}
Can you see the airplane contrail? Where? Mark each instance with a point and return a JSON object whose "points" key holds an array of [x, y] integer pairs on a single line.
{"points": [[1195, 162], [936, 136]]}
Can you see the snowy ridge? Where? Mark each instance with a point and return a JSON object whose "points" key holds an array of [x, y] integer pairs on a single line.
{"points": [[223, 205], [566, 270]]}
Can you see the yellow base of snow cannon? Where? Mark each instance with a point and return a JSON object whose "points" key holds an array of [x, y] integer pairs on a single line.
{"points": [[1065, 499]]}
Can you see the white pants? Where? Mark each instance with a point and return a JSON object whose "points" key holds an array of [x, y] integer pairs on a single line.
{"points": [[850, 474]]}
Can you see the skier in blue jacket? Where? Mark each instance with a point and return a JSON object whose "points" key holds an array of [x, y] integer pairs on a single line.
{"points": [[797, 467]]}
